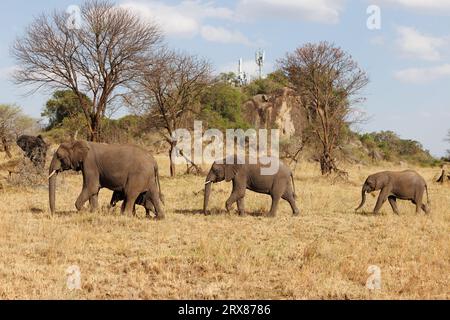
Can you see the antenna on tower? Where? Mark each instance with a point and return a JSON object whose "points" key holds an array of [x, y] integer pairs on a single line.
{"points": [[260, 58], [242, 78]]}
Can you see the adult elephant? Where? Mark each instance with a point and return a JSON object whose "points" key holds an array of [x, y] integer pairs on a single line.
{"points": [[279, 185], [121, 168], [403, 185]]}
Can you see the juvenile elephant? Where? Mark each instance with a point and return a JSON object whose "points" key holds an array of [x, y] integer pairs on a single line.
{"points": [[123, 168], [142, 200], [248, 176], [403, 185]]}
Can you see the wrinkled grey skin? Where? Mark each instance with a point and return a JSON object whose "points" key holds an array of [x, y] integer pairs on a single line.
{"points": [[122, 168], [403, 185], [142, 200], [248, 176]]}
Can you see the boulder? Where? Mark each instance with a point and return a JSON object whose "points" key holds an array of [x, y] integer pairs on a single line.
{"points": [[281, 110]]}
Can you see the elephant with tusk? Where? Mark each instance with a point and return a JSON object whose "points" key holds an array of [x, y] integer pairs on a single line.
{"points": [[126, 169], [279, 185]]}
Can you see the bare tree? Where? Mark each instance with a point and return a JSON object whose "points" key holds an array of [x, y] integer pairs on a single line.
{"points": [[329, 83], [98, 58], [170, 90]]}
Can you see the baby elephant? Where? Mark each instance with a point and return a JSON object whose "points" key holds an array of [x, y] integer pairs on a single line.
{"points": [[279, 185], [404, 185], [141, 200]]}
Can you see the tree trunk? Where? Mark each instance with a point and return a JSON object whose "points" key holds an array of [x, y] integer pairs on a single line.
{"points": [[172, 164], [327, 164], [95, 129]]}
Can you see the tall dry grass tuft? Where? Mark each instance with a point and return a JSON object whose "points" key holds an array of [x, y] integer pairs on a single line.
{"points": [[324, 253]]}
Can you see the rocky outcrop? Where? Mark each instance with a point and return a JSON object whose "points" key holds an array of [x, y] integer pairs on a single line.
{"points": [[281, 110]]}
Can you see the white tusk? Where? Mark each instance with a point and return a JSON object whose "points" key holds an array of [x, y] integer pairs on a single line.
{"points": [[207, 182], [53, 173]]}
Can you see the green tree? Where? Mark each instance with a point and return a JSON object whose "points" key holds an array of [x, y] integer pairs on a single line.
{"points": [[274, 81], [63, 104], [222, 107]]}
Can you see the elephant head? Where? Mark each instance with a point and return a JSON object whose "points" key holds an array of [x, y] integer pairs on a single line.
{"points": [[69, 156], [218, 173], [373, 183]]}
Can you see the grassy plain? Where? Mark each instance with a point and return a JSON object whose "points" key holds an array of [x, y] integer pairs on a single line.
{"points": [[323, 254]]}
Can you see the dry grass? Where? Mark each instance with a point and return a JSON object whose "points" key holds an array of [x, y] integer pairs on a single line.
{"points": [[322, 254]]}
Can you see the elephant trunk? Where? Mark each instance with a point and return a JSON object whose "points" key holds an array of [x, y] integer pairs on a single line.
{"points": [[208, 187], [55, 167], [363, 197]]}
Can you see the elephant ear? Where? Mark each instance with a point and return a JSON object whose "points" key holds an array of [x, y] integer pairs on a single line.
{"points": [[79, 152], [230, 171]]}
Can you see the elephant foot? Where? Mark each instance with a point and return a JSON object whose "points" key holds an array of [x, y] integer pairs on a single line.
{"points": [[160, 217], [242, 214], [296, 214]]}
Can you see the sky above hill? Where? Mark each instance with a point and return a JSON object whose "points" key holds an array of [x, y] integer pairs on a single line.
{"points": [[407, 57]]}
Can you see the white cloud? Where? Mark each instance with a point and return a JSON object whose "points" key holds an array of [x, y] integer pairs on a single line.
{"points": [[184, 19], [423, 75], [223, 35], [377, 41], [432, 6], [326, 11], [7, 72], [414, 44]]}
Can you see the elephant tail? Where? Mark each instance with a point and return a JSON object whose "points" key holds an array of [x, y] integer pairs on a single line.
{"points": [[161, 196], [293, 185]]}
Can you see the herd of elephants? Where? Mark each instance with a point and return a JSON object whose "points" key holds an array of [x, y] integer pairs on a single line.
{"points": [[132, 174]]}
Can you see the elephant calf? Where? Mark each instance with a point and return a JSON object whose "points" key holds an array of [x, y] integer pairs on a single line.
{"points": [[403, 185], [141, 200], [248, 176]]}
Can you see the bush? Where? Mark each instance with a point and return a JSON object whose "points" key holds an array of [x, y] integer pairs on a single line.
{"points": [[394, 148], [222, 107]]}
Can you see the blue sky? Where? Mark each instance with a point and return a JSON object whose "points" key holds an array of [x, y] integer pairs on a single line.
{"points": [[408, 59]]}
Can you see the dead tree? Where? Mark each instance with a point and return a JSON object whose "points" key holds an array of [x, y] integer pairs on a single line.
{"points": [[168, 92], [328, 82], [97, 58]]}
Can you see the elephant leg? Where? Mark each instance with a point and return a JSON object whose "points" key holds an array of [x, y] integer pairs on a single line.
{"points": [[381, 200], [149, 207], [85, 195], [241, 206], [393, 203], [234, 197], [129, 202], [289, 197], [425, 208], [274, 207], [237, 194], [418, 203], [153, 193], [93, 202]]}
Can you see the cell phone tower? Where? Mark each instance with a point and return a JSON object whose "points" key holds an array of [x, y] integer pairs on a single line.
{"points": [[260, 58], [242, 76]]}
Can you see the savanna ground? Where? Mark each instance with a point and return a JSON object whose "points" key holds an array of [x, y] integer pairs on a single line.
{"points": [[323, 254]]}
